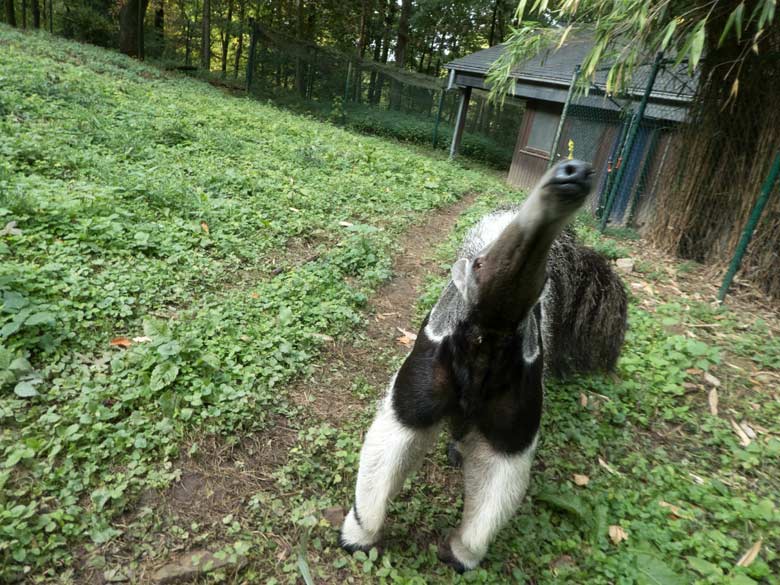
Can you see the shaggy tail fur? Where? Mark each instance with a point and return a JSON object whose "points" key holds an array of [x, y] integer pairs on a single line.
{"points": [[585, 310]]}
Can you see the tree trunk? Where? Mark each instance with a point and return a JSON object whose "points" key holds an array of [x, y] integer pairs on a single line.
{"points": [[492, 35], [372, 84], [159, 28], [400, 51], [205, 38], [722, 158], [130, 25], [240, 46], [188, 45], [225, 34], [36, 13], [300, 65], [10, 12], [24, 13]]}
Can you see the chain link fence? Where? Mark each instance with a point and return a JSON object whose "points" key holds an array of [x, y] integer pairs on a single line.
{"points": [[628, 140], [377, 98]]}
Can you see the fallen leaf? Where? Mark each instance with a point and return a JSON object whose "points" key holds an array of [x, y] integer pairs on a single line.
{"points": [[711, 380], [121, 342], [580, 479], [141, 339], [407, 338], [345, 224], [322, 336], [751, 554], [608, 467], [617, 534], [712, 398], [698, 479], [295, 209], [748, 430], [674, 510], [583, 400], [562, 561], [744, 440], [10, 229], [204, 226]]}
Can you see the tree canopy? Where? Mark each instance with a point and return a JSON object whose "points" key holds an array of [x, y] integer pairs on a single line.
{"points": [[628, 33]]}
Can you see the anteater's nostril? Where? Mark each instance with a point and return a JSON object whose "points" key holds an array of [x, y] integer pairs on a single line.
{"points": [[570, 169]]}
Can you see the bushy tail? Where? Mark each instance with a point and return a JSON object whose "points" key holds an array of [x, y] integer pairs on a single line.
{"points": [[585, 310]]}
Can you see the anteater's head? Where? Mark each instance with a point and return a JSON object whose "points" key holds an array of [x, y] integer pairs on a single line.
{"points": [[504, 281]]}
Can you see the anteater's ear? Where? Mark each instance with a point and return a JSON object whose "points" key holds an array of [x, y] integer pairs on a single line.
{"points": [[460, 274]]}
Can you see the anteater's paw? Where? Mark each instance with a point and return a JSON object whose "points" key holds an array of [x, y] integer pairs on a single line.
{"points": [[352, 547], [354, 537], [447, 557]]}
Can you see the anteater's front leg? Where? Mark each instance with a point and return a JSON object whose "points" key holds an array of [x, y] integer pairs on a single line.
{"points": [[495, 484], [391, 451]]}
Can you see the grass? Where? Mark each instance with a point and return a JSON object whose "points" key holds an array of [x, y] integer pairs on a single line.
{"points": [[179, 257]]}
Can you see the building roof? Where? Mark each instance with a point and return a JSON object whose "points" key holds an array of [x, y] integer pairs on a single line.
{"points": [[547, 76]]}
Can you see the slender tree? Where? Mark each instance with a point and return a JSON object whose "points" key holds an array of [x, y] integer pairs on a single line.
{"points": [[240, 43], [10, 12], [36, 13], [205, 39], [227, 24], [400, 51]]}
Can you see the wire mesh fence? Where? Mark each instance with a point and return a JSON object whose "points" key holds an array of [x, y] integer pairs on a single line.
{"points": [[627, 143], [377, 98]]}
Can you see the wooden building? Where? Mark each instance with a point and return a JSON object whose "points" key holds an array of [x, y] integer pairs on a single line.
{"points": [[594, 124]]}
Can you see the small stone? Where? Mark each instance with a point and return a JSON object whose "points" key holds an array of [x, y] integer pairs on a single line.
{"points": [[625, 264], [194, 564], [334, 515], [116, 575]]}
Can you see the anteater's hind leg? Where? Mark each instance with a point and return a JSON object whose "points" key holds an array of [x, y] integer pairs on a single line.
{"points": [[495, 484], [391, 451]]}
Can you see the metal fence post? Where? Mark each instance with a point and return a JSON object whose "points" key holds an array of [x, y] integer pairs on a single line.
{"points": [[565, 110], [438, 118], [250, 62], [632, 132], [747, 233]]}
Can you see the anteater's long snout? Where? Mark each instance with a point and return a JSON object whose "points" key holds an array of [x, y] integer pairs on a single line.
{"points": [[571, 177], [510, 274]]}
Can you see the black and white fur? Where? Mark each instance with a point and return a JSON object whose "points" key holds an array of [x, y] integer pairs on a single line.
{"points": [[524, 300]]}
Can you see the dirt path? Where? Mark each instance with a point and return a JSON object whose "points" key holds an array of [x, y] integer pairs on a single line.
{"points": [[217, 481], [391, 311]]}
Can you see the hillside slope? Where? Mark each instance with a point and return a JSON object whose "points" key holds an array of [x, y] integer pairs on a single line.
{"points": [[171, 256]]}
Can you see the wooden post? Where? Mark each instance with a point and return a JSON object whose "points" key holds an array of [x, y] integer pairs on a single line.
{"points": [[460, 121]]}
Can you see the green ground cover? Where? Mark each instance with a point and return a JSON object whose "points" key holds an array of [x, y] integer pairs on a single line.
{"points": [[157, 209], [219, 243]]}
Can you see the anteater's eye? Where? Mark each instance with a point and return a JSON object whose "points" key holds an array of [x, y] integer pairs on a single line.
{"points": [[477, 263]]}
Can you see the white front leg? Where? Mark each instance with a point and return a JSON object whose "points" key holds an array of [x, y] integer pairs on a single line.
{"points": [[391, 451], [495, 484]]}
